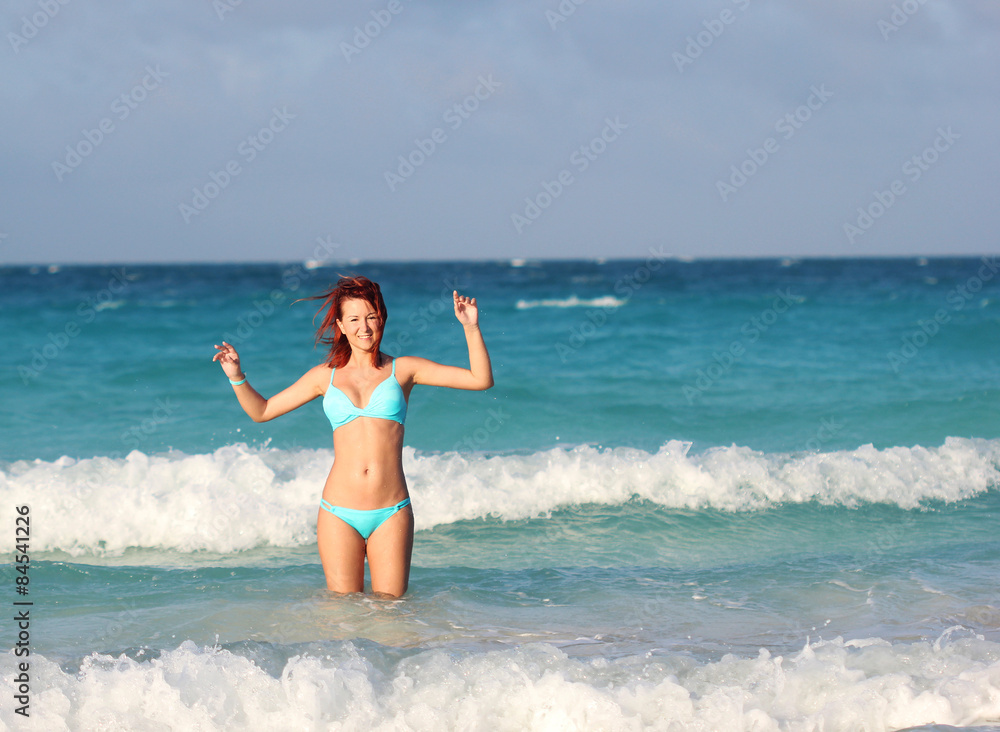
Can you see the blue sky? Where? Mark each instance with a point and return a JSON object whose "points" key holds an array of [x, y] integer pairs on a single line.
{"points": [[145, 132]]}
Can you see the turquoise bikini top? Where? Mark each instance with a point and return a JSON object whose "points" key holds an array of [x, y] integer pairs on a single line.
{"points": [[387, 402]]}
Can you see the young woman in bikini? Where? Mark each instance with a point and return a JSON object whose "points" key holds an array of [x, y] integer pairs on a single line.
{"points": [[365, 511]]}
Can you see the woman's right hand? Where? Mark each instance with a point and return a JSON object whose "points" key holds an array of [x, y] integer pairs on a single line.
{"points": [[229, 359], [465, 309]]}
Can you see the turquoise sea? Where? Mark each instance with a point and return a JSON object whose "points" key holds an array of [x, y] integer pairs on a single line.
{"points": [[703, 495]]}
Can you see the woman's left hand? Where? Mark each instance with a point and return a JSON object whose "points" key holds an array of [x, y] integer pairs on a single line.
{"points": [[465, 309], [229, 359]]}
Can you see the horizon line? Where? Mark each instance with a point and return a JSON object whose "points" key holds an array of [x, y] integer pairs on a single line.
{"points": [[510, 261]]}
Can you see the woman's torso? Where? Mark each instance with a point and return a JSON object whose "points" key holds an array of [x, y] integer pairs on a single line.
{"points": [[367, 470]]}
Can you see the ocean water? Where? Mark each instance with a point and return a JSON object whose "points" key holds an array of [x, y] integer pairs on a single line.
{"points": [[703, 495]]}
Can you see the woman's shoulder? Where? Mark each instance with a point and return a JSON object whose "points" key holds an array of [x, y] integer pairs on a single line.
{"points": [[319, 374], [403, 362], [405, 365]]}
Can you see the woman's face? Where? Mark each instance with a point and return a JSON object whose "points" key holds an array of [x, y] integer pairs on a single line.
{"points": [[359, 321]]}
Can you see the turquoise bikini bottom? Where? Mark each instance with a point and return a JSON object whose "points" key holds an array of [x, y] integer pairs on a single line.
{"points": [[364, 522]]}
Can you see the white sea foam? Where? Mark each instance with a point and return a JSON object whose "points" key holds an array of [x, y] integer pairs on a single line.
{"points": [[608, 301], [237, 498], [832, 685]]}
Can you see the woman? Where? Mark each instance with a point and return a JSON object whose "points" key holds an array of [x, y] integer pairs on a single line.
{"points": [[365, 511]]}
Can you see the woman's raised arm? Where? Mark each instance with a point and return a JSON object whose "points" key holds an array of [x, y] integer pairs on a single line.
{"points": [[479, 375], [257, 407]]}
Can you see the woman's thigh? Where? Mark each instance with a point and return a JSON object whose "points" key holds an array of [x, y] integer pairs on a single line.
{"points": [[342, 552], [389, 549]]}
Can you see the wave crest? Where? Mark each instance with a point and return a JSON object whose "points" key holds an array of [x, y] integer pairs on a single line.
{"points": [[238, 498], [607, 301], [831, 685]]}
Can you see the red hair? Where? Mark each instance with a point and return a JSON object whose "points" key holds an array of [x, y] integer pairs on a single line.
{"points": [[347, 288]]}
